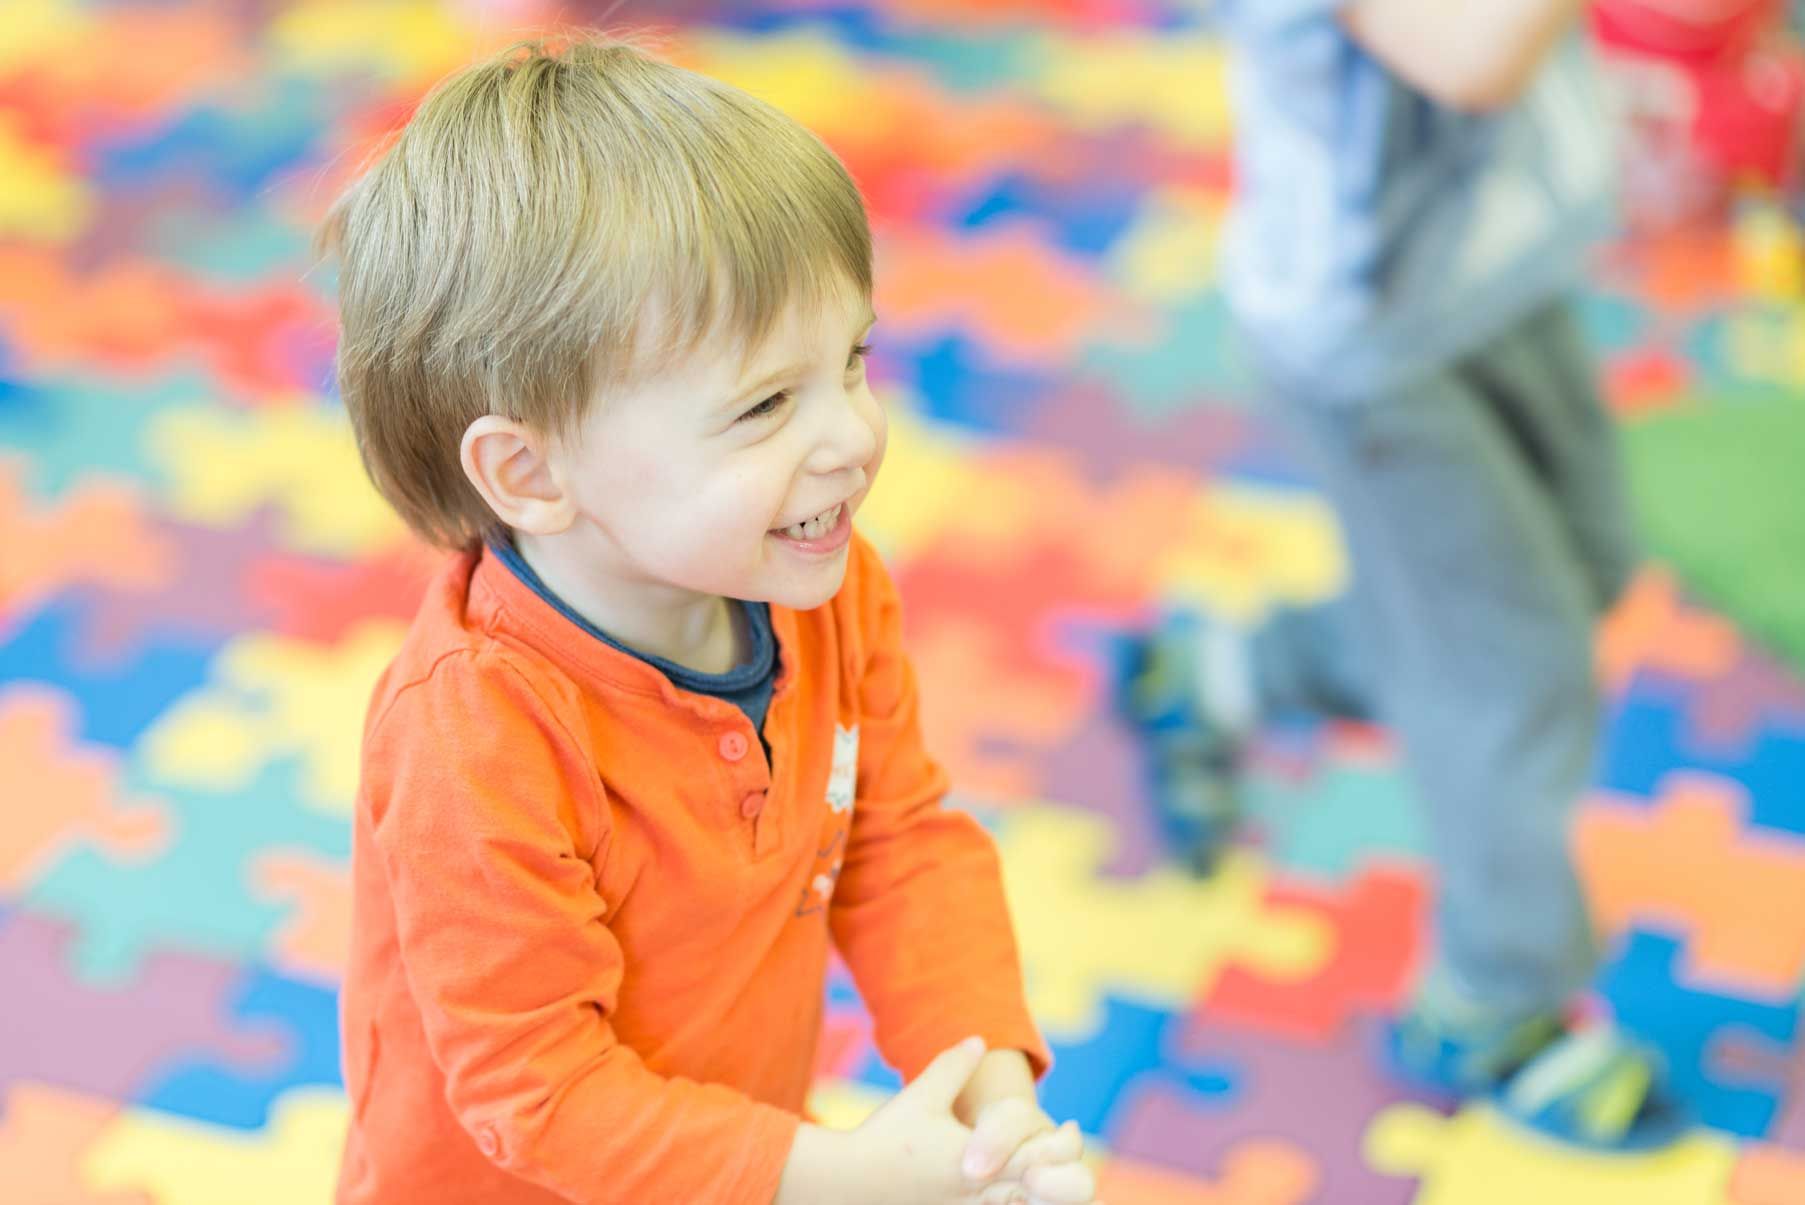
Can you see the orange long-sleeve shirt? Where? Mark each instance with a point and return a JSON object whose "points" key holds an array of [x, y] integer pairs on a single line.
{"points": [[591, 921]]}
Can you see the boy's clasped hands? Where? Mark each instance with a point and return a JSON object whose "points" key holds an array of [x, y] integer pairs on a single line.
{"points": [[968, 1129]]}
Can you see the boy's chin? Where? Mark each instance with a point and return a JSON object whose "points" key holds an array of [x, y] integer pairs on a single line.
{"points": [[805, 594]]}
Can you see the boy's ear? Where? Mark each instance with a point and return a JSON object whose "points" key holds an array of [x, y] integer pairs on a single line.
{"points": [[510, 466]]}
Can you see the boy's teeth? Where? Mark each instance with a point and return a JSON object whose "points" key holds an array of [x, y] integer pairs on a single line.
{"points": [[812, 529]]}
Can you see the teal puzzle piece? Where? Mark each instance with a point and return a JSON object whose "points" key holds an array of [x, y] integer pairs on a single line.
{"points": [[197, 895]]}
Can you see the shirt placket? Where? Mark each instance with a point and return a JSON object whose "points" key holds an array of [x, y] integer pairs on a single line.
{"points": [[750, 777]]}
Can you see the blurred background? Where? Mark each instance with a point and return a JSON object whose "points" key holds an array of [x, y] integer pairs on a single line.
{"points": [[198, 588]]}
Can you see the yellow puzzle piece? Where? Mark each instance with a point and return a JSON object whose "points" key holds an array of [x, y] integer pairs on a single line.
{"points": [[271, 697], [40, 197], [1169, 255], [1161, 938], [1479, 1158], [291, 1161], [409, 40], [1171, 82], [299, 458], [1248, 548]]}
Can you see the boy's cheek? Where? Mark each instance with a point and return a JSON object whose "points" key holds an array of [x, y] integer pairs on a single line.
{"points": [[881, 428]]}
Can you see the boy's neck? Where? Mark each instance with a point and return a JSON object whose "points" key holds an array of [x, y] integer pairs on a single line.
{"points": [[698, 631]]}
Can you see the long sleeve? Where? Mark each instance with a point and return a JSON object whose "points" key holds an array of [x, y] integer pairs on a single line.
{"points": [[488, 819], [919, 912]]}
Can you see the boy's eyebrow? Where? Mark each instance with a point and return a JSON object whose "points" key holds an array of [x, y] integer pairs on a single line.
{"points": [[791, 370]]}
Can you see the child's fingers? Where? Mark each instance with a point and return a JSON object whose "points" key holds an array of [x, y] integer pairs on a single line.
{"points": [[1060, 1184], [1064, 1145], [940, 1083], [1001, 1129]]}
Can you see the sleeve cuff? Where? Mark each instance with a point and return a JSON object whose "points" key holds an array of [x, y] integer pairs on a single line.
{"points": [[768, 1144], [911, 1052]]}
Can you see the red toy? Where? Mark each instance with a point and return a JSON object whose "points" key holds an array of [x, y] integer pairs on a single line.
{"points": [[1714, 91]]}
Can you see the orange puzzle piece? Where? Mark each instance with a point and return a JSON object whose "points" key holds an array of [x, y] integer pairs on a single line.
{"points": [[43, 1134], [1650, 629], [59, 791], [1689, 863]]}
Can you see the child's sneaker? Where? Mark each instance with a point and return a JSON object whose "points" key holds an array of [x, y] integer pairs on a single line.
{"points": [[1190, 734], [1593, 1087]]}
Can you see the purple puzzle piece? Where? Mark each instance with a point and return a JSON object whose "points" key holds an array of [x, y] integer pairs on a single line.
{"points": [[1728, 711], [1088, 418], [210, 567], [124, 220], [108, 1043], [1789, 1131], [1321, 1098], [1098, 768]]}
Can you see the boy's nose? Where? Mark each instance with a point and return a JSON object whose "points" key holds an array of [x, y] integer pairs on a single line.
{"points": [[853, 440]]}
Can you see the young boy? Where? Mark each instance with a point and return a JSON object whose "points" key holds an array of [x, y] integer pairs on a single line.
{"points": [[652, 738], [1418, 184]]}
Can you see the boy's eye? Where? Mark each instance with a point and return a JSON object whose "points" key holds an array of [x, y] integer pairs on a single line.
{"points": [[765, 408], [775, 402]]}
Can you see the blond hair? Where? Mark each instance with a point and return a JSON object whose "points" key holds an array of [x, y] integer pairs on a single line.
{"points": [[539, 215]]}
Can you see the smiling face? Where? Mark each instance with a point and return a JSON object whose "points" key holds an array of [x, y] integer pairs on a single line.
{"points": [[730, 474]]}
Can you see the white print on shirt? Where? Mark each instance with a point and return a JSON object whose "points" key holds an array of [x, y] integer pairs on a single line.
{"points": [[818, 892], [844, 776], [842, 784]]}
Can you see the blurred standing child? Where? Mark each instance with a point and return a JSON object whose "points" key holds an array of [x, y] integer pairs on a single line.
{"points": [[1419, 183]]}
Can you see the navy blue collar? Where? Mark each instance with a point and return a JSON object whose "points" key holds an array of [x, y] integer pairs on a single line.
{"points": [[758, 666]]}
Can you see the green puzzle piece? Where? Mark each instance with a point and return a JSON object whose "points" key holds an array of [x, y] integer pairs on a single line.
{"points": [[1710, 484]]}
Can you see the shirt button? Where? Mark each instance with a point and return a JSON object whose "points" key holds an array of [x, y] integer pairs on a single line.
{"points": [[752, 805], [733, 746], [488, 1142]]}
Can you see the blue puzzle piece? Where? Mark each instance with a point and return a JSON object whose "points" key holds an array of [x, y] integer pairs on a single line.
{"points": [[119, 698], [875, 1073], [1647, 741], [240, 151], [842, 993], [849, 27], [13, 391], [1086, 221], [1134, 1046], [197, 894], [1686, 1022], [231, 1097], [970, 58], [968, 61], [955, 385]]}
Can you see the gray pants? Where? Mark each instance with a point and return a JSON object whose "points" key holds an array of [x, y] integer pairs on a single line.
{"points": [[1486, 517]]}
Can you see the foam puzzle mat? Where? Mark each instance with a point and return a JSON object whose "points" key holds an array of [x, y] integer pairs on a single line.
{"points": [[197, 588]]}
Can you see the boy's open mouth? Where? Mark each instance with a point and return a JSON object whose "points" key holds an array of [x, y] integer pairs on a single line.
{"points": [[816, 527]]}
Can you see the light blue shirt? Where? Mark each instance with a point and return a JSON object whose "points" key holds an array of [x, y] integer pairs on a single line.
{"points": [[1376, 236]]}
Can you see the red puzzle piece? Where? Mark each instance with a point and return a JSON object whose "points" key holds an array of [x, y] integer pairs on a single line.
{"points": [[1377, 922]]}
